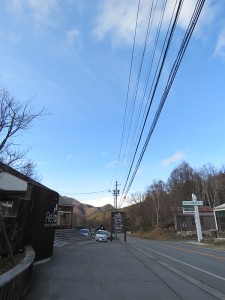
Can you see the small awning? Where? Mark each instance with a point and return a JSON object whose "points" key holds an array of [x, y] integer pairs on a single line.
{"points": [[220, 207]]}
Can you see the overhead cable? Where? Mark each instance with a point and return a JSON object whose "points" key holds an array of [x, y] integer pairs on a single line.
{"points": [[150, 21], [155, 87], [172, 75], [128, 89], [88, 193]]}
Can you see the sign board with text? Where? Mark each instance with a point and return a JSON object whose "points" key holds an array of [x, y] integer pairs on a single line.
{"points": [[118, 222], [188, 210], [192, 203]]}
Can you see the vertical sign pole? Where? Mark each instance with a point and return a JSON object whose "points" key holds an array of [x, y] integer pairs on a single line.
{"points": [[197, 219], [125, 228], [116, 196]]}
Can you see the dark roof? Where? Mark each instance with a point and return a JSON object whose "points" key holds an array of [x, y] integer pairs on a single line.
{"points": [[220, 207], [10, 170]]}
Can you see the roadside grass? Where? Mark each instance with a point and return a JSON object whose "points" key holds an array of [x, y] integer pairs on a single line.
{"points": [[160, 234]]}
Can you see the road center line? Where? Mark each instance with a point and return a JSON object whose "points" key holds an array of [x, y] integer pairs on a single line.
{"points": [[193, 251], [201, 285], [179, 261]]}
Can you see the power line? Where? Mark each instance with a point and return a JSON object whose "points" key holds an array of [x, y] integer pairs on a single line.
{"points": [[87, 193], [155, 87], [128, 88], [150, 21], [138, 140], [171, 78]]}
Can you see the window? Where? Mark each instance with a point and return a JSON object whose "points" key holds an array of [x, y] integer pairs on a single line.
{"points": [[64, 218], [9, 208]]}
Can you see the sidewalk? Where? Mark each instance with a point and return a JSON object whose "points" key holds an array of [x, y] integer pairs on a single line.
{"points": [[93, 271]]}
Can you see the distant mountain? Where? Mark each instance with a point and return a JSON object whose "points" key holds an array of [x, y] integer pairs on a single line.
{"points": [[83, 209]]}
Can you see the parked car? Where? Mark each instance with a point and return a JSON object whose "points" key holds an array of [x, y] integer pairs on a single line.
{"points": [[101, 236], [85, 232], [108, 234]]}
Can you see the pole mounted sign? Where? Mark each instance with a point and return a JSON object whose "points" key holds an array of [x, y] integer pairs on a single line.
{"points": [[193, 202], [118, 223]]}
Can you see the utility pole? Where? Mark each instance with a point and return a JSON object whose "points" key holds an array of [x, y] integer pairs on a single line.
{"points": [[116, 192], [197, 219]]}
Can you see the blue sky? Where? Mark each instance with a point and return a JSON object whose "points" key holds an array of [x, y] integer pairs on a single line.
{"points": [[74, 56]]}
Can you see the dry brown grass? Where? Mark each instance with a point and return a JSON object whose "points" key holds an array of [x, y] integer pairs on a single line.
{"points": [[157, 234], [160, 234], [6, 262]]}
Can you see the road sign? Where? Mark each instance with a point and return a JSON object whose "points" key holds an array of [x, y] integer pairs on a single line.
{"points": [[118, 222], [193, 203], [188, 210]]}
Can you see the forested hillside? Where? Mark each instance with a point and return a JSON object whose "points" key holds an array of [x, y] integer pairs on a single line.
{"points": [[154, 208]]}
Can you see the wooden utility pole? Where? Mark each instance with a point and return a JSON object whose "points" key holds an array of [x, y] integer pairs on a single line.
{"points": [[116, 192]]}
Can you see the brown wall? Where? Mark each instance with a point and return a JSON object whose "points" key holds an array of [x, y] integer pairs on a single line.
{"points": [[41, 222]]}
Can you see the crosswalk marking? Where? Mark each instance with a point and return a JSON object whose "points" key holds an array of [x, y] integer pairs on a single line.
{"points": [[69, 236]]}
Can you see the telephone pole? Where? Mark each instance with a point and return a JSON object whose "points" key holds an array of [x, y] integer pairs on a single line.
{"points": [[116, 193]]}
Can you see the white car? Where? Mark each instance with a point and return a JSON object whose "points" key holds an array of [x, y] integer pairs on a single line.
{"points": [[101, 236], [85, 232], [108, 234]]}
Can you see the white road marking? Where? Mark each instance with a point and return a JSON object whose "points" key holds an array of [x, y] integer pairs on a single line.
{"points": [[181, 262]]}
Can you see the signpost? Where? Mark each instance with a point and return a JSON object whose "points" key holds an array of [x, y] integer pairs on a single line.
{"points": [[118, 223], [193, 202], [188, 210], [196, 203]]}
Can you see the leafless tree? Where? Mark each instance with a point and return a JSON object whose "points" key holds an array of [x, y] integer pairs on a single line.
{"points": [[213, 181], [137, 211], [157, 197], [181, 184], [15, 119], [28, 168]]}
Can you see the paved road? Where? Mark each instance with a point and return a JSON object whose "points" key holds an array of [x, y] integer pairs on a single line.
{"points": [[199, 265], [91, 271]]}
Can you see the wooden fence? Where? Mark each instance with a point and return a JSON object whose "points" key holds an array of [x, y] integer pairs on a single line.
{"points": [[14, 283]]}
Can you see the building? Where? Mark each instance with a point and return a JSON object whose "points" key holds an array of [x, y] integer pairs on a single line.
{"points": [[28, 212], [184, 218], [219, 215], [65, 213]]}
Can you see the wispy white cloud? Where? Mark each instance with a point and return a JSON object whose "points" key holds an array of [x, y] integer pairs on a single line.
{"points": [[174, 158], [111, 164], [139, 172], [83, 157], [10, 36], [220, 45], [41, 11], [103, 153], [72, 36], [69, 156], [72, 42], [117, 18]]}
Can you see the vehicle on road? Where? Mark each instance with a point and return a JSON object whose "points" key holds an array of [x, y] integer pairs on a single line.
{"points": [[101, 236], [108, 234], [85, 232]]}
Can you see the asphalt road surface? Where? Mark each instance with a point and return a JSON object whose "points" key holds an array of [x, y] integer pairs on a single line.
{"points": [[138, 269]]}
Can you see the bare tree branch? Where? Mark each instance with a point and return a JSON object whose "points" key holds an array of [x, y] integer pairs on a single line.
{"points": [[15, 118]]}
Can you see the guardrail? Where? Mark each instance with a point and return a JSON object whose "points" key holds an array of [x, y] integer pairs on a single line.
{"points": [[14, 283]]}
